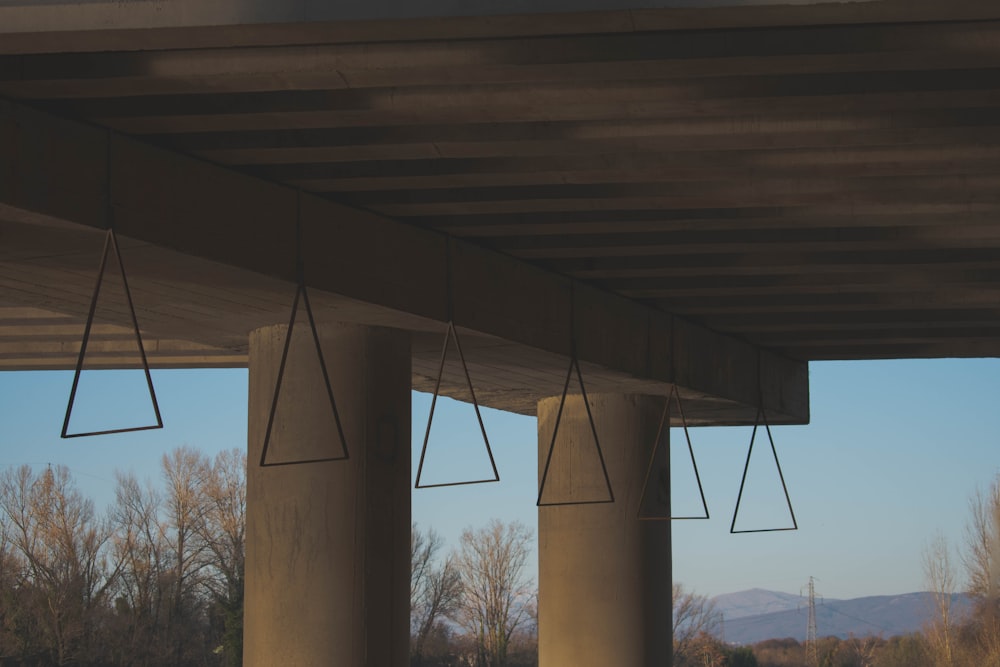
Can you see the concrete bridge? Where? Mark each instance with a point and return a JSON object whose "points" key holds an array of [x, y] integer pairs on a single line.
{"points": [[700, 195]]}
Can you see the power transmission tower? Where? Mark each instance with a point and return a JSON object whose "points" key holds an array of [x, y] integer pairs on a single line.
{"points": [[812, 650]]}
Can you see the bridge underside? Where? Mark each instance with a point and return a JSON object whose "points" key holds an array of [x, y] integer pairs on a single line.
{"points": [[817, 182]]}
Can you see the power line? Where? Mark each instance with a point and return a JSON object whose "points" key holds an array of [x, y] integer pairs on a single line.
{"points": [[857, 618]]}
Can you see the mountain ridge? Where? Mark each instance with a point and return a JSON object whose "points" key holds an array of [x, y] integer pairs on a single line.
{"points": [[754, 602], [758, 614]]}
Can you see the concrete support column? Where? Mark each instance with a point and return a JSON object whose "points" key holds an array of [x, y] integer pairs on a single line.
{"points": [[328, 560], [604, 576]]}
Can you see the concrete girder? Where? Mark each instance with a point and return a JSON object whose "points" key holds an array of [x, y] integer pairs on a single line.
{"points": [[193, 228], [20, 16], [95, 25]]}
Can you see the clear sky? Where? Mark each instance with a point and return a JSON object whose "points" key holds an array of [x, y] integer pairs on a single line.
{"points": [[890, 459]]}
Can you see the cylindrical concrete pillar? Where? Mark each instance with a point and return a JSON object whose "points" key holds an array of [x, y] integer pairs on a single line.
{"points": [[604, 576], [328, 561]]}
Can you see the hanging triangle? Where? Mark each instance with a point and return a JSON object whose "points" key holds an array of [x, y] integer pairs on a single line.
{"points": [[762, 418], [91, 386], [451, 335], [574, 365], [295, 447], [655, 503]]}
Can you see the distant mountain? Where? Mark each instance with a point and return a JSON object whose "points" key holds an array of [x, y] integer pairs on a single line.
{"points": [[755, 602], [887, 615]]}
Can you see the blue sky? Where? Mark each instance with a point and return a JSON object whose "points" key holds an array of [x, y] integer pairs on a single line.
{"points": [[890, 459]]}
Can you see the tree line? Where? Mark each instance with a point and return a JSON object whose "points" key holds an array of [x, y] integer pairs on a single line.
{"points": [[475, 605], [707, 649], [698, 643], [155, 580], [947, 639], [971, 639]]}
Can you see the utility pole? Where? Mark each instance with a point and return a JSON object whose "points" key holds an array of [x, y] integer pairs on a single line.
{"points": [[812, 650]]}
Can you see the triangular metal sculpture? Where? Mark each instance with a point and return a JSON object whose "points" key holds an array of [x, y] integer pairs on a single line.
{"points": [[657, 446], [762, 417], [452, 334], [574, 364], [301, 292], [110, 245]]}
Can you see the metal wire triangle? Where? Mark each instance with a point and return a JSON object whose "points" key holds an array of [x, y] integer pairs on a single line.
{"points": [[301, 292], [761, 417], [110, 244], [665, 424], [574, 364], [452, 334]]}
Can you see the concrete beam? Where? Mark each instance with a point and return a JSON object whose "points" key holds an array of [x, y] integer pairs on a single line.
{"points": [[32, 16], [173, 207], [100, 25]]}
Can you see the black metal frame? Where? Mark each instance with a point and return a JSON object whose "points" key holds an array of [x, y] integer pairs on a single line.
{"points": [[574, 363], [301, 292], [452, 334], [665, 423], [110, 244], [761, 416]]}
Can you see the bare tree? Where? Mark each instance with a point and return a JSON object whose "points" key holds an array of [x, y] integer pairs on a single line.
{"points": [[157, 583], [183, 557], [15, 635], [982, 565], [186, 506], [496, 593], [865, 649], [940, 578], [140, 546], [223, 532], [981, 538], [694, 618], [52, 527], [706, 651], [435, 588], [423, 549]]}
